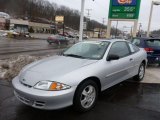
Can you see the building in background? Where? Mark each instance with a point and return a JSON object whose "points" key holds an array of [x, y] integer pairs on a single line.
{"points": [[19, 26], [40, 27], [4, 21]]}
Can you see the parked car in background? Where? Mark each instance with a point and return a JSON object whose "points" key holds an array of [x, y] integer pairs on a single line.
{"points": [[84, 36], [152, 47], [58, 39], [78, 75]]}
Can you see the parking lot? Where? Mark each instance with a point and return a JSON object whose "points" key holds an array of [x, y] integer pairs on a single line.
{"points": [[128, 100]]}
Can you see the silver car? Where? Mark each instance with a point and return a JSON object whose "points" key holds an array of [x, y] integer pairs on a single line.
{"points": [[78, 75]]}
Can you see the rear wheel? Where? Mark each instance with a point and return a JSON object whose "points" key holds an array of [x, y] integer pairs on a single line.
{"points": [[86, 96], [141, 73]]}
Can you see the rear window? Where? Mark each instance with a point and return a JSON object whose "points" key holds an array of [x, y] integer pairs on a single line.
{"points": [[136, 42], [153, 43]]}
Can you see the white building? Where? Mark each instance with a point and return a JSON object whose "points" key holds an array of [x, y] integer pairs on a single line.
{"points": [[19, 25], [39, 27], [2, 23]]}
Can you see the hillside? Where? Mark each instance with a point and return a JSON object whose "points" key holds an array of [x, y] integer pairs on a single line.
{"points": [[35, 9]]}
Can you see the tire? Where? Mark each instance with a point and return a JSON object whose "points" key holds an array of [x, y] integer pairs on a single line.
{"points": [[83, 99], [141, 72]]}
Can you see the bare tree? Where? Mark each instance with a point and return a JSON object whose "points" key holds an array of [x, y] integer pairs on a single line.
{"points": [[42, 9]]}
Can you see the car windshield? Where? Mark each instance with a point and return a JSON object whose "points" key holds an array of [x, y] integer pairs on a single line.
{"points": [[88, 50], [153, 43]]}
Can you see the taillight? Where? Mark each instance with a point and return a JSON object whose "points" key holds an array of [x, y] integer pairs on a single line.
{"points": [[148, 49]]}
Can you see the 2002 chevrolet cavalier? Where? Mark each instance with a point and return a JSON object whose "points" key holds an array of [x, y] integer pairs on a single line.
{"points": [[78, 75]]}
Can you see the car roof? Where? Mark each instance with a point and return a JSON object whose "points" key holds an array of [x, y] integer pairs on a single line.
{"points": [[146, 38]]}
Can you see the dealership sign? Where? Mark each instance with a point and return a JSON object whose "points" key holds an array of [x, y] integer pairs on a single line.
{"points": [[124, 9], [59, 19]]}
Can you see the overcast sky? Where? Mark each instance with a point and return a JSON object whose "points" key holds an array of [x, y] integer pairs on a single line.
{"points": [[100, 10]]}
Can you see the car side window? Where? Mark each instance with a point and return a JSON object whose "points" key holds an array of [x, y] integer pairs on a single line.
{"points": [[133, 48], [119, 48], [136, 42]]}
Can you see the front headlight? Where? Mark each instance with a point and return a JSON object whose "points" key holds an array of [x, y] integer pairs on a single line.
{"points": [[51, 86]]}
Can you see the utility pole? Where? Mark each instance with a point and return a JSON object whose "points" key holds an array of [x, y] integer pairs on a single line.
{"points": [[116, 29], [88, 18], [139, 31], [150, 16], [88, 12], [81, 21], [131, 32], [103, 21]]}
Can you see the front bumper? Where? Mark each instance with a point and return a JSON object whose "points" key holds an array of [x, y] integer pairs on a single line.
{"points": [[40, 99]]}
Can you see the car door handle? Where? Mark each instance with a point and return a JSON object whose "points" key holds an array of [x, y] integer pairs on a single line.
{"points": [[131, 59]]}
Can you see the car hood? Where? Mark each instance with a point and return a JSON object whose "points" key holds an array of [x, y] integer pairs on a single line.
{"points": [[51, 69]]}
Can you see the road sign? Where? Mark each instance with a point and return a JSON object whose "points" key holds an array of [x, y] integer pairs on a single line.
{"points": [[124, 9], [59, 19]]}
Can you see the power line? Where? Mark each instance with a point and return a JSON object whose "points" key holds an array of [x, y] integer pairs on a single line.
{"points": [[88, 18]]}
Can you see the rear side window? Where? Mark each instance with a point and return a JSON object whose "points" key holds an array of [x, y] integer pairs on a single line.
{"points": [[120, 48], [136, 42], [153, 43], [133, 48]]}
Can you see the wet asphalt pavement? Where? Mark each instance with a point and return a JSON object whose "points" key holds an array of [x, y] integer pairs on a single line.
{"points": [[126, 101], [10, 47]]}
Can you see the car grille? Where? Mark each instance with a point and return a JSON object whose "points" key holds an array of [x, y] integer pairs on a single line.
{"points": [[30, 102]]}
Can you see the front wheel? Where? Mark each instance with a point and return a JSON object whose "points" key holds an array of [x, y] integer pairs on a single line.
{"points": [[86, 96], [141, 73]]}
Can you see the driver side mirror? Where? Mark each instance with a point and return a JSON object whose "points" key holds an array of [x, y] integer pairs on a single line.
{"points": [[112, 57]]}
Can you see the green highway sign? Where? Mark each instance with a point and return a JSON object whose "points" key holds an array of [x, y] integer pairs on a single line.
{"points": [[124, 9]]}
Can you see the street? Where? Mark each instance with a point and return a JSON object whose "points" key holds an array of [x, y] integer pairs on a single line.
{"points": [[10, 47]]}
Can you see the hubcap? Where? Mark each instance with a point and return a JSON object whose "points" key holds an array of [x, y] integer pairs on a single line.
{"points": [[88, 96], [141, 72]]}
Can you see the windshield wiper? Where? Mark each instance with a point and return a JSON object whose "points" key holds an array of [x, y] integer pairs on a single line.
{"points": [[73, 55]]}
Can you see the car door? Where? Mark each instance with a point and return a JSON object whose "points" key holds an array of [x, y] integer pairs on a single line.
{"points": [[118, 70], [135, 55]]}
